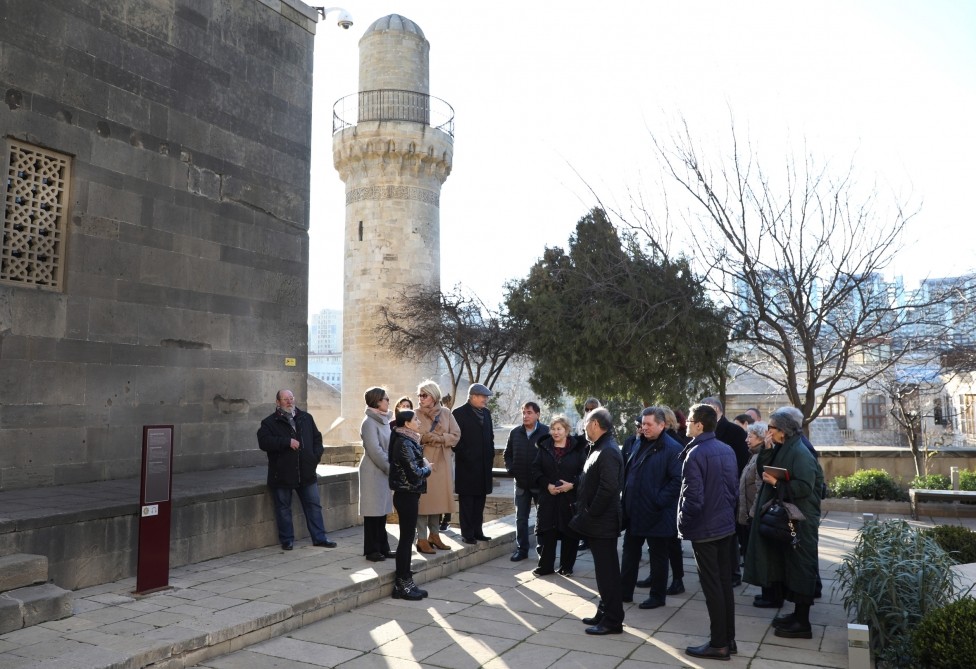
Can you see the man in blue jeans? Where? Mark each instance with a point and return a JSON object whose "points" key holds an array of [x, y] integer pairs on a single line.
{"points": [[519, 455], [294, 447]]}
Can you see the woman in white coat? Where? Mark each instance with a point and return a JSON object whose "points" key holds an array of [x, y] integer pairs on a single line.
{"points": [[375, 496]]}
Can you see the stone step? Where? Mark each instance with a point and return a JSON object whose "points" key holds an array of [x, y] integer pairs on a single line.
{"points": [[22, 569], [32, 605]]}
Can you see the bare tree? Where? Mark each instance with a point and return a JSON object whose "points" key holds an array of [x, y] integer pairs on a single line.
{"points": [[799, 254], [474, 341]]}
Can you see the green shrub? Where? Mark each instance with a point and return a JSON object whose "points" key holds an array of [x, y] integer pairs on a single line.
{"points": [[893, 577], [868, 484], [956, 540], [946, 637], [967, 480], [931, 482]]}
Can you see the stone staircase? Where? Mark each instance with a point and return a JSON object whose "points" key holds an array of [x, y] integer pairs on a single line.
{"points": [[26, 598]]}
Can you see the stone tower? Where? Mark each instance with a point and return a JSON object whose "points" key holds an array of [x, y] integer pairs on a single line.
{"points": [[393, 146]]}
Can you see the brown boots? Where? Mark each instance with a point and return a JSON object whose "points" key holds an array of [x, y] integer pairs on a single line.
{"points": [[423, 546], [435, 540]]}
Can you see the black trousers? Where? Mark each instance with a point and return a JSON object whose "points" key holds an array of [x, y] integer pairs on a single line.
{"points": [[675, 558], [568, 548], [375, 538], [471, 514], [606, 564], [406, 504], [630, 563], [715, 575]]}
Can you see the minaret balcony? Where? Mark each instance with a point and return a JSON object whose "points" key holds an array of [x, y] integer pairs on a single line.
{"points": [[392, 105]]}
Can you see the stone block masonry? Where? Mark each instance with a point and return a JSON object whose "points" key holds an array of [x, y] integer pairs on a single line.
{"points": [[187, 124]]}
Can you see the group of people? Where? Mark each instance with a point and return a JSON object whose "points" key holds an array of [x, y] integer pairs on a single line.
{"points": [[701, 479], [408, 464]]}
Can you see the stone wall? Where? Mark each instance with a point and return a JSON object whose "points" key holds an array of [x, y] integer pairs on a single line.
{"points": [[185, 259]]}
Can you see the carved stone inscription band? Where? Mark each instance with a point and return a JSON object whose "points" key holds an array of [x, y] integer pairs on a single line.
{"points": [[393, 193]]}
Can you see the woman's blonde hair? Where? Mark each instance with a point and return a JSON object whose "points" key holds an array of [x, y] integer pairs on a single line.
{"points": [[670, 420], [431, 388], [562, 420]]}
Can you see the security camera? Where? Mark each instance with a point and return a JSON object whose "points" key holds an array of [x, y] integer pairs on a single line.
{"points": [[345, 18]]}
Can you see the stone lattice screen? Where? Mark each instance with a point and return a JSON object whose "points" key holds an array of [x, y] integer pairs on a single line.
{"points": [[34, 216]]}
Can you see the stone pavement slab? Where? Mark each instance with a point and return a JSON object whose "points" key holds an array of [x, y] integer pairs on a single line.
{"points": [[314, 607]]}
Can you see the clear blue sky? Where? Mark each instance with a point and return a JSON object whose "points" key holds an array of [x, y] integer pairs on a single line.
{"points": [[543, 88]]}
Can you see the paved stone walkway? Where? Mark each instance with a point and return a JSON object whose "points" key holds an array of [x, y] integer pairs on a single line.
{"points": [[315, 607], [499, 615]]}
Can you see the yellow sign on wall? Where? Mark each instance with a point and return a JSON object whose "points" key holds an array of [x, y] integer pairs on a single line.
{"points": [[290, 362]]}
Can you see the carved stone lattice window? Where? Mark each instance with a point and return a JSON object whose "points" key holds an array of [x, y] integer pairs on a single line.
{"points": [[34, 216]]}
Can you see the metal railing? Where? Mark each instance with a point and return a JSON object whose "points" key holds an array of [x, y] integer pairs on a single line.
{"points": [[392, 105]]}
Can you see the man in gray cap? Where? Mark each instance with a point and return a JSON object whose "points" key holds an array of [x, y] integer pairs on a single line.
{"points": [[474, 455]]}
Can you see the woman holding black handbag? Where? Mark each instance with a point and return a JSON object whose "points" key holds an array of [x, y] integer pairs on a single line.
{"points": [[791, 567]]}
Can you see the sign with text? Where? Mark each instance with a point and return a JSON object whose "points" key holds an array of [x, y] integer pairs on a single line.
{"points": [[155, 503]]}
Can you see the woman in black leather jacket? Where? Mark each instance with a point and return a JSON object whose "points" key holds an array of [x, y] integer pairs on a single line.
{"points": [[408, 481]]}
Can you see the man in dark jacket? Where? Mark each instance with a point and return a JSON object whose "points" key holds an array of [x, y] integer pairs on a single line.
{"points": [[598, 518], [474, 456], [294, 447], [519, 456], [706, 517], [729, 433], [652, 473]]}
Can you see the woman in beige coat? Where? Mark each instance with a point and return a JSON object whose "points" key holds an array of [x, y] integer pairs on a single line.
{"points": [[439, 433]]}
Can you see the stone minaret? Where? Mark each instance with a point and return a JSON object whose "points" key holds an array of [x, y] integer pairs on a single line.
{"points": [[393, 151]]}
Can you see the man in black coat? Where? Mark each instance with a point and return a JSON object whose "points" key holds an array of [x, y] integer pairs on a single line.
{"points": [[474, 456], [519, 455], [599, 518], [733, 435], [294, 447]]}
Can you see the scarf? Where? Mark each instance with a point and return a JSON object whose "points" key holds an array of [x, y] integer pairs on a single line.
{"points": [[382, 416], [407, 432]]}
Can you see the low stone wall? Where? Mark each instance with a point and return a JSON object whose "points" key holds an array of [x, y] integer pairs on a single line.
{"points": [[91, 536], [900, 464]]}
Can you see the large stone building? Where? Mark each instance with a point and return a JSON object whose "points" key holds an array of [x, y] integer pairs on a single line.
{"points": [[394, 148], [154, 264]]}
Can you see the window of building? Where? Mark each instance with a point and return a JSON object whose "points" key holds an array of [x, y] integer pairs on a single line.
{"points": [[34, 215], [967, 414], [837, 407], [874, 414]]}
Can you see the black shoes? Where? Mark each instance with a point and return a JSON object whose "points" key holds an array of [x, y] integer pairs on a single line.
{"points": [[539, 571], [444, 526], [327, 543], [519, 555], [583, 545], [708, 652], [733, 649], [287, 547], [627, 599], [784, 620], [736, 581], [651, 603], [596, 618], [793, 630], [469, 540], [565, 571], [481, 537], [389, 554], [600, 630], [407, 589], [676, 588], [376, 557], [645, 583]]}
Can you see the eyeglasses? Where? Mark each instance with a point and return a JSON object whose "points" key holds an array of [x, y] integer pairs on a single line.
{"points": [[423, 395]]}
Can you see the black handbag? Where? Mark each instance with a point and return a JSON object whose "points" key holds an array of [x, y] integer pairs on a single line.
{"points": [[775, 521]]}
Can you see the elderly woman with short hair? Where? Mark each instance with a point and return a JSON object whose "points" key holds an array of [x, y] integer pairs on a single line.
{"points": [[439, 433], [770, 564]]}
